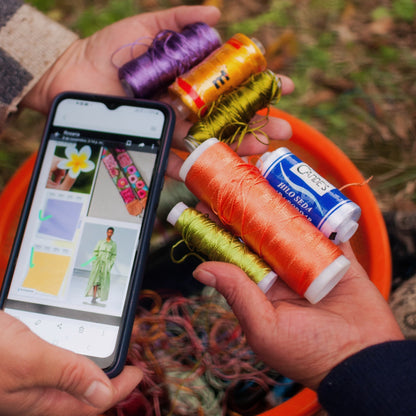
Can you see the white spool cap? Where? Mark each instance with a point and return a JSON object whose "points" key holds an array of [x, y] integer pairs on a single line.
{"points": [[267, 158], [176, 212], [346, 230], [259, 45], [267, 282], [344, 222], [327, 280], [192, 158]]}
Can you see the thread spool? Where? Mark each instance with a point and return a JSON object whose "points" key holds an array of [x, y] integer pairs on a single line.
{"points": [[207, 237], [245, 202], [318, 200], [225, 68], [230, 116], [169, 55]]}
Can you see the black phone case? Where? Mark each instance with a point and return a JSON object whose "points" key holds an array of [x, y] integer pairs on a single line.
{"points": [[157, 180]]}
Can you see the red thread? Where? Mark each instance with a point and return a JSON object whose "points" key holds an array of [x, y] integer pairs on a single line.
{"points": [[234, 43], [270, 225], [199, 102]]}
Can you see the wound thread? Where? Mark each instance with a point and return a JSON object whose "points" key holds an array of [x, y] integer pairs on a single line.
{"points": [[245, 202], [224, 69], [169, 55], [228, 120], [202, 235]]}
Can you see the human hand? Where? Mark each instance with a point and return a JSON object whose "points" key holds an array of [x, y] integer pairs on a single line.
{"points": [[86, 65], [58, 178], [298, 339], [39, 379]]}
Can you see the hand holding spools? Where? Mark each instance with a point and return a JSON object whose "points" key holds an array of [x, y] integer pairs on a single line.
{"points": [[222, 93]]}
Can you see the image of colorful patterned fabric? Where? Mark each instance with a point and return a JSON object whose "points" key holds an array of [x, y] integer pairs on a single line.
{"points": [[127, 178]]}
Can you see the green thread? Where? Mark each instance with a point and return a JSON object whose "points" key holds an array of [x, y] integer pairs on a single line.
{"points": [[228, 118], [200, 234]]}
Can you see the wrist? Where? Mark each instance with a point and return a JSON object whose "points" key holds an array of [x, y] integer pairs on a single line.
{"points": [[351, 343], [349, 353], [40, 97]]}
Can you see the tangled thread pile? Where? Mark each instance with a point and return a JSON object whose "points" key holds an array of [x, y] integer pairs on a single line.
{"points": [[192, 353]]}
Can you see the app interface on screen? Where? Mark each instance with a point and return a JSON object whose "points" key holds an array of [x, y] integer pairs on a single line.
{"points": [[77, 252]]}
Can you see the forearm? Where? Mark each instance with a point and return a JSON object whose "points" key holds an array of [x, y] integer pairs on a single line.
{"points": [[30, 43]]}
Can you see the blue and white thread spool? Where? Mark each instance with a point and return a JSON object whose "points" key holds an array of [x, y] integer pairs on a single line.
{"points": [[324, 205]]}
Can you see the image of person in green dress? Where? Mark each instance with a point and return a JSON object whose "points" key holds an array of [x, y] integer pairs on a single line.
{"points": [[105, 253]]}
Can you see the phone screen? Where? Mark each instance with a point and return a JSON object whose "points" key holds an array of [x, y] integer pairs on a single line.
{"points": [[88, 223]]}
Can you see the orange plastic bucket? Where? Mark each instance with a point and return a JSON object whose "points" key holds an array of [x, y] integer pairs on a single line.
{"points": [[370, 242]]}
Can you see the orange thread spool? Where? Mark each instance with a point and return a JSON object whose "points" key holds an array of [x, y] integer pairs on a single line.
{"points": [[225, 68], [243, 200]]}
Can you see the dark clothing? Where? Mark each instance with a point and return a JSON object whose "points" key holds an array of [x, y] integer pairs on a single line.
{"points": [[379, 381]]}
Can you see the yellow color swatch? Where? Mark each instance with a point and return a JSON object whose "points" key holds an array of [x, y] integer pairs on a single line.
{"points": [[47, 272]]}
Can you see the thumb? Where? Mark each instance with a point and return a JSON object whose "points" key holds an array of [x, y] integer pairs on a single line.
{"points": [[63, 370], [247, 301]]}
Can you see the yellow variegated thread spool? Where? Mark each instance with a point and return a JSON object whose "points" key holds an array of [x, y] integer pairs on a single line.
{"points": [[225, 68], [205, 236], [229, 117]]}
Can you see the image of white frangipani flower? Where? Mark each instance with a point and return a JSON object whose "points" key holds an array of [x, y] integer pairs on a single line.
{"points": [[77, 161]]}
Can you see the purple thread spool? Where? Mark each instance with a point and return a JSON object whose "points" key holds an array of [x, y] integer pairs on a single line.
{"points": [[170, 55]]}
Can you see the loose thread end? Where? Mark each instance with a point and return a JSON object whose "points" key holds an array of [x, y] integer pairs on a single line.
{"points": [[348, 185], [191, 252]]}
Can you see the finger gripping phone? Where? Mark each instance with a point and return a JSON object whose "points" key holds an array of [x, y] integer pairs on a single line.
{"points": [[77, 262]]}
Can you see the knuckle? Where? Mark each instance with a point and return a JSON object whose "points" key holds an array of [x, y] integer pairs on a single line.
{"points": [[72, 375], [235, 292]]}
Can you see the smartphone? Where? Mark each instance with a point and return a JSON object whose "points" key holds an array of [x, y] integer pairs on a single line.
{"points": [[77, 262]]}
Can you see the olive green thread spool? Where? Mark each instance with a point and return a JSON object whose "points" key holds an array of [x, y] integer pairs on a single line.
{"points": [[228, 118], [200, 234]]}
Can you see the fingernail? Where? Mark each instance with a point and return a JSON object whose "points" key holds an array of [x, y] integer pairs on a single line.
{"points": [[98, 394], [205, 277], [286, 130]]}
